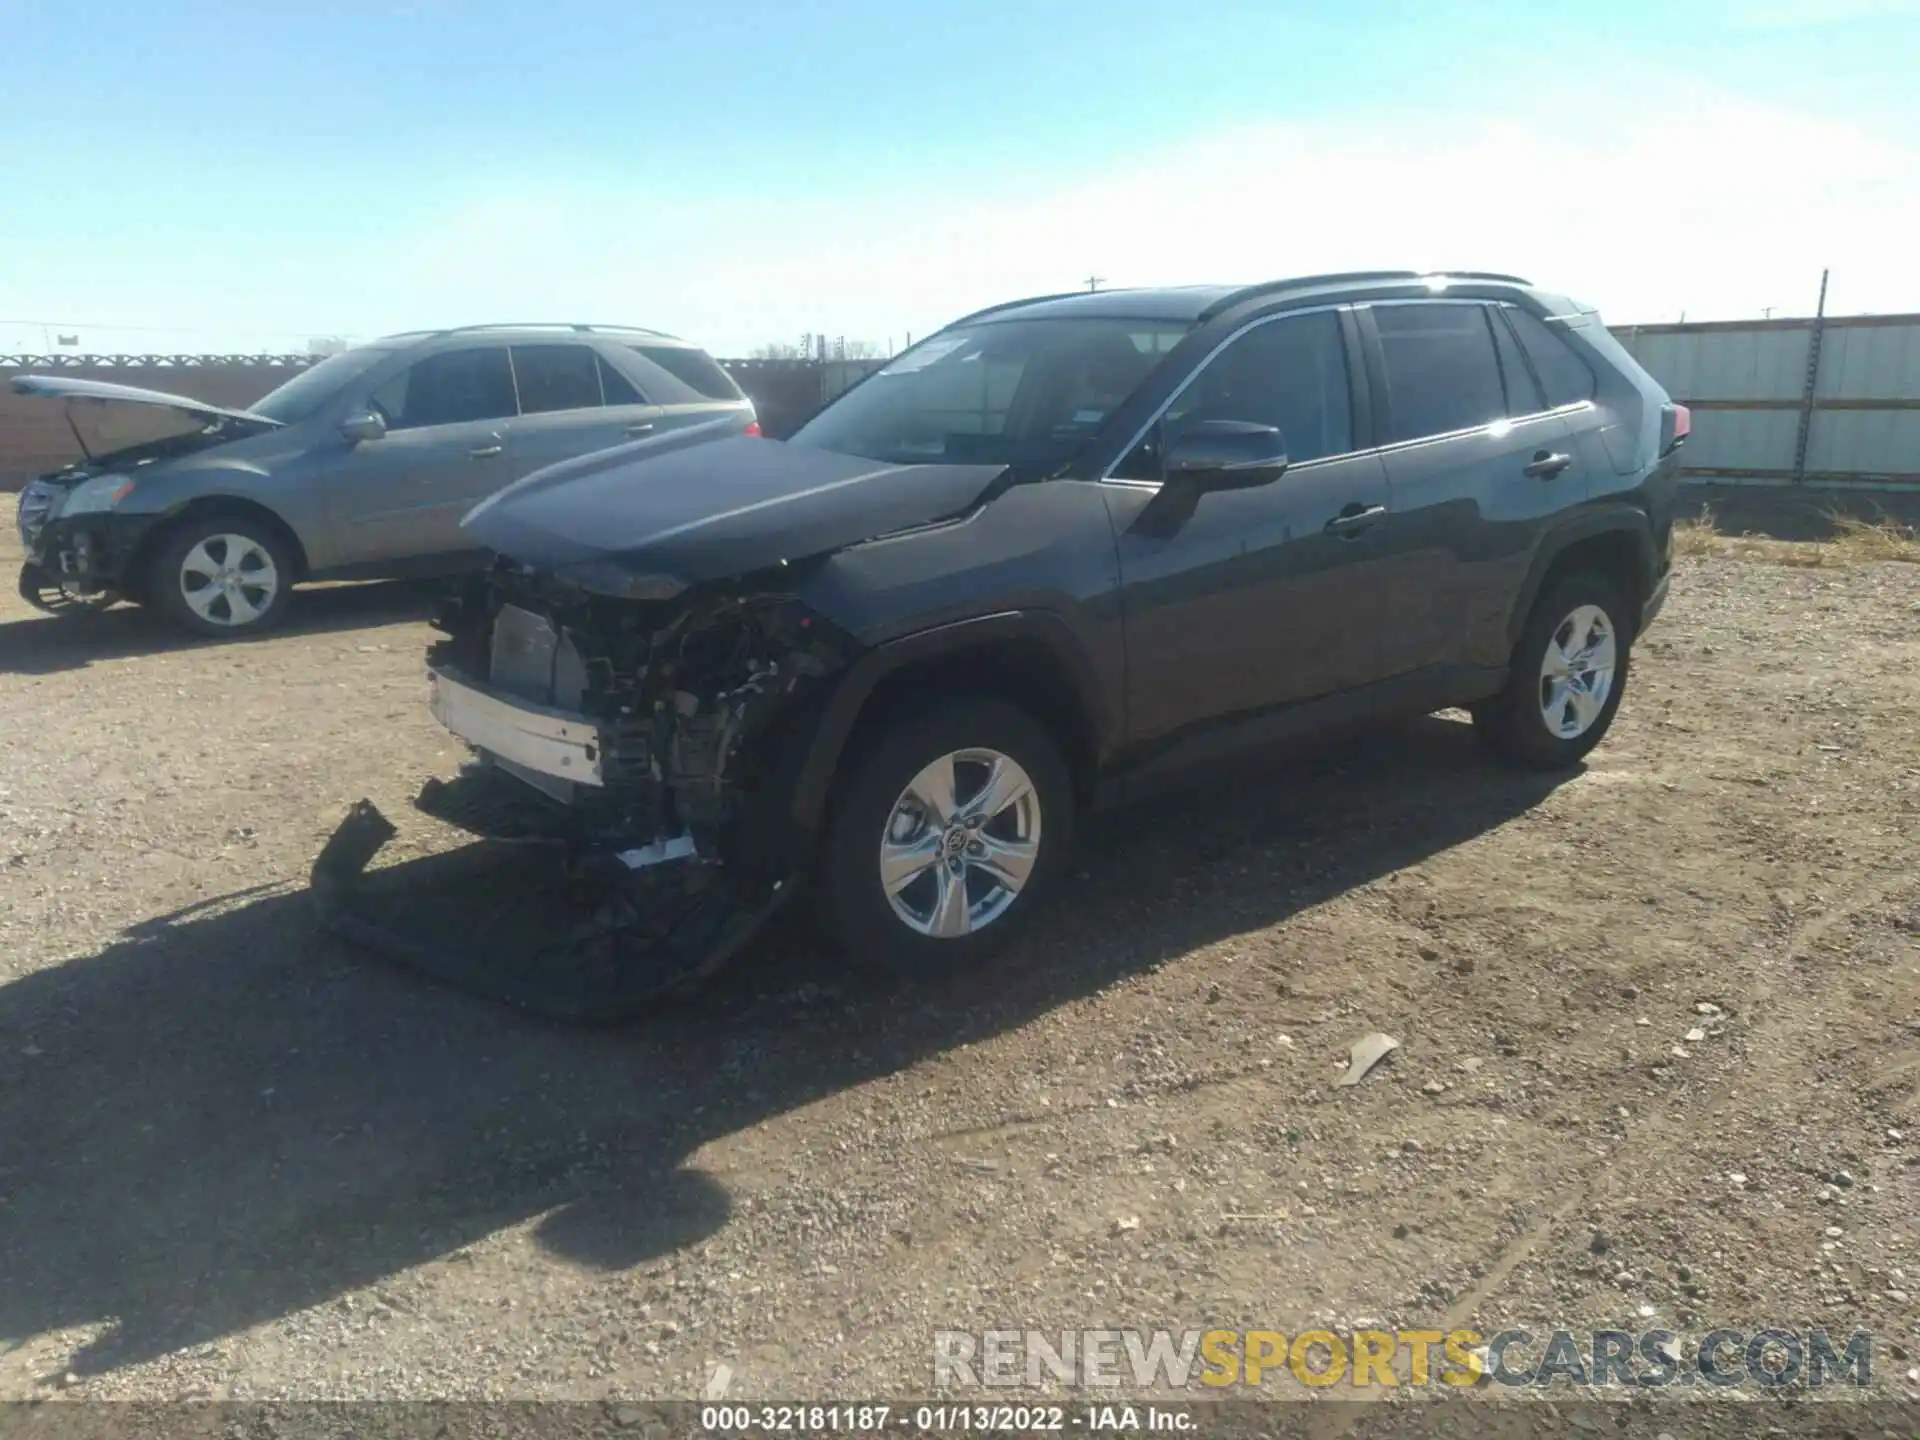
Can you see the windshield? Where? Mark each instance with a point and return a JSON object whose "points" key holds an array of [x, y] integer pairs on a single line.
{"points": [[302, 396], [1025, 393]]}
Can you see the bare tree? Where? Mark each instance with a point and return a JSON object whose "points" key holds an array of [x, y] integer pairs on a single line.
{"points": [[778, 350]]}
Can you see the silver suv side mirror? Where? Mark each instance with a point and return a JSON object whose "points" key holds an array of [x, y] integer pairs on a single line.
{"points": [[365, 426]]}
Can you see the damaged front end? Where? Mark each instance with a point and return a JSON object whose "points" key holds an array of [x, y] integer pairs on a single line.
{"points": [[633, 762]]}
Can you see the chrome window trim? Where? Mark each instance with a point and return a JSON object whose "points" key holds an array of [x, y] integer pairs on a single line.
{"points": [[1516, 420], [1107, 476]]}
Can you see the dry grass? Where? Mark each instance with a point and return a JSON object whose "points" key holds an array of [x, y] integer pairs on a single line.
{"points": [[1855, 541]]}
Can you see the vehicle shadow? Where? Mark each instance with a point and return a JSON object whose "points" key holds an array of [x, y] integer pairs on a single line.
{"points": [[224, 1117], [46, 644]]}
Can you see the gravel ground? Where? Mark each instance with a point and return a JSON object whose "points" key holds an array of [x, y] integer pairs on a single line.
{"points": [[238, 1161]]}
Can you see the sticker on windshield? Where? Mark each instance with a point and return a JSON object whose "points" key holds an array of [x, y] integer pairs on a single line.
{"points": [[924, 356]]}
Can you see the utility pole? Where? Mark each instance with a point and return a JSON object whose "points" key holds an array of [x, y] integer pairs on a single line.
{"points": [[1094, 282], [1766, 312]]}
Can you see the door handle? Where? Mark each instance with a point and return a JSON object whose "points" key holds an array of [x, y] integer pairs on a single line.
{"points": [[491, 448], [1355, 518], [1545, 466], [644, 427]]}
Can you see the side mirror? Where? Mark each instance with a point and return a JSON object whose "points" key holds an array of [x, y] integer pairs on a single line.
{"points": [[365, 426], [1226, 455]]}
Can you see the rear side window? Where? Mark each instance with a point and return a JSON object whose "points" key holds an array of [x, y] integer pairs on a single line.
{"points": [[692, 369], [616, 387], [455, 387], [556, 377], [1442, 374], [1523, 394], [1563, 374]]}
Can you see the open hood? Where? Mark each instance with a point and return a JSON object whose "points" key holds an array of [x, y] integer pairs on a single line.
{"points": [[61, 387], [171, 418], [681, 509]]}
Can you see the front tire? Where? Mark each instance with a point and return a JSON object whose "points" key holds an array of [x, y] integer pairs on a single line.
{"points": [[948, 833], [1568, 675], [222, 575]]}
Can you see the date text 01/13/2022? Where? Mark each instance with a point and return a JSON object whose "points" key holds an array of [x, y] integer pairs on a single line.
{"points": [[939, 1419]]}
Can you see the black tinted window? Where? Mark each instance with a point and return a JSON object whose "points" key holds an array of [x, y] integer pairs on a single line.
{"points": [[1563, 374], [1523, 394], [616, 387], [692, 369], [449, 389], [556, 377], [1441, 371], [1289, 373]]}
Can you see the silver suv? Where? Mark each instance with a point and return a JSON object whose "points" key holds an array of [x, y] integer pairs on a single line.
{"points": [[361, 467]]}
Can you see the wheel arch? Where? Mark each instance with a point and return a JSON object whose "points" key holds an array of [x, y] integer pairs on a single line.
{"points": [[1030, 658], [207, 507], [1618, 544]]}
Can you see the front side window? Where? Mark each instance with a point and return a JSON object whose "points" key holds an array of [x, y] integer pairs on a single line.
{"points": [[302, 397], [1289, 373], [1442, 375], [556, 377], [455, 387], [1025, 393]]}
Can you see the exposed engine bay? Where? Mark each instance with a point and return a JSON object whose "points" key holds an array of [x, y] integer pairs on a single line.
{"points": [[657, 781]]}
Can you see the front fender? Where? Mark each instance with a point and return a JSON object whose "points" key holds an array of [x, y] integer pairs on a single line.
{"points": [[836, 719]]}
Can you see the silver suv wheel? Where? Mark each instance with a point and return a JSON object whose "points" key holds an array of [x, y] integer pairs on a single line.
{"points": [[960, 843], [1576, 674], [229, 580]]}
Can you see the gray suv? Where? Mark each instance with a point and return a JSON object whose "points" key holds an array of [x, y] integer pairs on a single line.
{"points": [[360, 467]]}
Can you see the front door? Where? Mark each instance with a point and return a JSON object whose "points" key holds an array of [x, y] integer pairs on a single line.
{"points": [[1264, 596], [446, 448]]}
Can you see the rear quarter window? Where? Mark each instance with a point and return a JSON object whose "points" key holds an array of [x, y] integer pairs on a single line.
{"points": [[687, 376], [1563, 374]]}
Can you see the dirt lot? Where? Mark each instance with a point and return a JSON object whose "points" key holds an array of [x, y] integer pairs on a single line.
{"points": [[237, 1160]]}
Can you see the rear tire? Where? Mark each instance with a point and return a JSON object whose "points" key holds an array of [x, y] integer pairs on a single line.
{"points": [[1568, 674], [222, 575], [911, 889]]}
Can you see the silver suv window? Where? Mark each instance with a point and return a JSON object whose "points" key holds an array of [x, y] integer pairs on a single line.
{"points": [[455, 387], [556, 377]]}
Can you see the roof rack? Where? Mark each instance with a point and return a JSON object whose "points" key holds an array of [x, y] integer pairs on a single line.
{"points": [[574, 326], [1350, 277]]}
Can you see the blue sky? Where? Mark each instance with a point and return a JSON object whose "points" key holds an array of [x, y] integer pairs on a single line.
{"points": [[215, 175]]}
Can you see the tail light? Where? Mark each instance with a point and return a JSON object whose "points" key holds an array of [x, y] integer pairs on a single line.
{"points": [[753, 428], [1676, 422]]}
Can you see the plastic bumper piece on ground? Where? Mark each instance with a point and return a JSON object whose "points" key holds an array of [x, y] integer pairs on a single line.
{"points": [[537, 924]]}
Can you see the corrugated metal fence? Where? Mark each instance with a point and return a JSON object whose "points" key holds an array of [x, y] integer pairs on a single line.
{"points": [[1816, 402]]}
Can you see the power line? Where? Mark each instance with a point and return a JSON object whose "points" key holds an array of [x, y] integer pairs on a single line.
{"points": [[168, 329]]}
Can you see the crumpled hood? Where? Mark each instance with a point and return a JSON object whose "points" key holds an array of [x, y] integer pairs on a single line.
{"points": [[679, 510], [64, 387], [121, 420]]}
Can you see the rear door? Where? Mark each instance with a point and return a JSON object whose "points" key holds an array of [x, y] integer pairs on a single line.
{"points": [[687, 385], [565, 406], [1477, 463], [446, 446]]}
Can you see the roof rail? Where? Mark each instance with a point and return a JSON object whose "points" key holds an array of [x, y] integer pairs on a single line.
{"points": [[1016, 304], [1351, 277], [1227, 302], [574, 326]]}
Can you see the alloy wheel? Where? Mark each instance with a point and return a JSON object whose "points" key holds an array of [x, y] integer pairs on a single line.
{"points": [[960, 843], [229, 580], [1576, 674]]}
